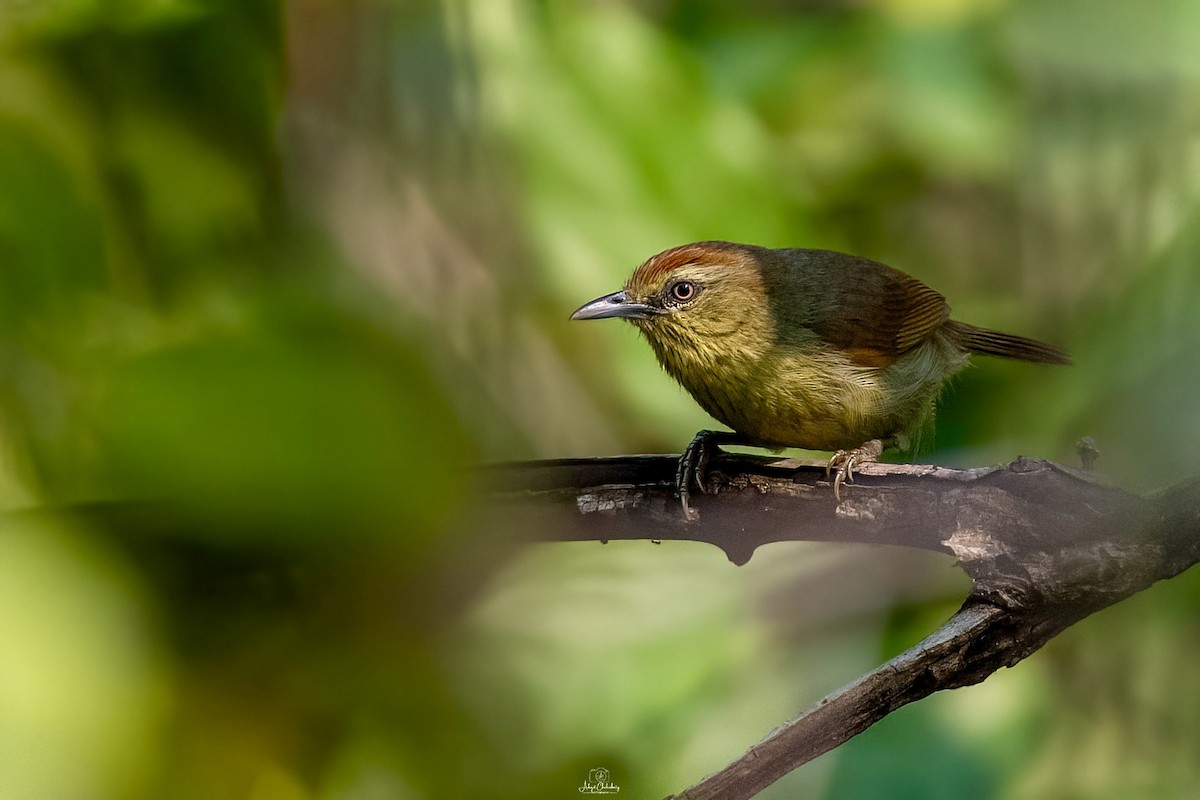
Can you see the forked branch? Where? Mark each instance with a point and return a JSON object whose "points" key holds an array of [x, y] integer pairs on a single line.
{"points": [[1044, 545]]}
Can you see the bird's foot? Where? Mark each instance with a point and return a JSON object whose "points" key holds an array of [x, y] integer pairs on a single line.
{"points": [[693, 465], [846, 461]]}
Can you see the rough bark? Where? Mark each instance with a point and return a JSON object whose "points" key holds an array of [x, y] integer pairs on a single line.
{"points": [[1044, 545]]}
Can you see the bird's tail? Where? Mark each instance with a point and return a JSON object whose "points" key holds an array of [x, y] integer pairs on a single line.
{"points": [[1005, 345]]}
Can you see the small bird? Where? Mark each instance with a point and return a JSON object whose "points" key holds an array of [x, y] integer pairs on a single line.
{"points": [[801, 348]]}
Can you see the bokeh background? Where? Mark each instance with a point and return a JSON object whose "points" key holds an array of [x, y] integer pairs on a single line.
{"points": [[275, 276]]}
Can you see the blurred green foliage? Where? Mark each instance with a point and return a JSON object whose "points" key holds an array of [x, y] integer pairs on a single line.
{"points": [[273, 276]]}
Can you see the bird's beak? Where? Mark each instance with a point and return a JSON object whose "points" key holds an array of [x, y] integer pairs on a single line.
{"points": [[614, 305]]}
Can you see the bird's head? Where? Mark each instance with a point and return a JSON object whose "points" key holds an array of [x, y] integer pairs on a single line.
{"points": [[699, 300]]}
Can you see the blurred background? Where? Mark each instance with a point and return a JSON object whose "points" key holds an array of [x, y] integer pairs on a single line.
{"points": [[288, 270]]}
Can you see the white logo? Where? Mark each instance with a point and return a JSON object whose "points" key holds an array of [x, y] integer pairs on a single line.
{"points": [[599, 781]]}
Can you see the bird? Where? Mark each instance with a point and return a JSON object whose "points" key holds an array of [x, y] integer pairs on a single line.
{"points": [[804, 348]]}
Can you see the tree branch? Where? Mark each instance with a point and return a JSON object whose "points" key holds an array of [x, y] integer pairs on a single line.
{"points": [[1044, 545]]}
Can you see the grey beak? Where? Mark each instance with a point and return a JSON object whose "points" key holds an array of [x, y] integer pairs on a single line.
{"points": [[614, 305]]}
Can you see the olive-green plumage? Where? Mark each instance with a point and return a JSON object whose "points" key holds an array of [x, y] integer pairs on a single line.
{"points": [[803, 348]]}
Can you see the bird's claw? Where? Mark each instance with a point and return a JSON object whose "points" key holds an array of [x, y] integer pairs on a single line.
{"points": [[693, 467], [700, 473], [846, 461]]}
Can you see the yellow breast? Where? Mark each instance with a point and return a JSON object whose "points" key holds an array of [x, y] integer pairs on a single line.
{"points": [[812, 398]]}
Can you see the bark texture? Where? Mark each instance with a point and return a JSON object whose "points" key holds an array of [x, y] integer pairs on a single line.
{"points": [[1044, 545]]}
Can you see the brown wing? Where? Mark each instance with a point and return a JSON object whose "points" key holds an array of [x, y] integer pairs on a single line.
{"points": [[873, 313]]}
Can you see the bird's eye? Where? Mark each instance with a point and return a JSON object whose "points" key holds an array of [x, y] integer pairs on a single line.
{"points": [[683, 291]]}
